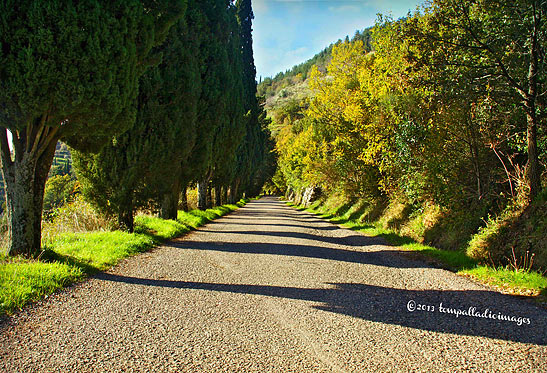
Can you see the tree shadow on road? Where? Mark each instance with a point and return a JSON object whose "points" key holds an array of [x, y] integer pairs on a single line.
{"points": [[329, 227], [384, 258], [418, 309], [271, 236]]}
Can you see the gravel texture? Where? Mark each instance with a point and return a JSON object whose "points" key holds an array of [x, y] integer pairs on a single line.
{"points": [[272, 289]]}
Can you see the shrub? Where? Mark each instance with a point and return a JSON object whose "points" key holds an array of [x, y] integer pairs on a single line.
{"points": [[77, 216], [60, 189]]}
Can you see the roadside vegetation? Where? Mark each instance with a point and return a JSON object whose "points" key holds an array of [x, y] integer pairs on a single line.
{"points": [[79, 242], [517, 278], [430, 132]]}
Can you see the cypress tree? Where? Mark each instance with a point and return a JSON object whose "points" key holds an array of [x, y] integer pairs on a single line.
{"points": [[68, 70], [228, 139], [213, 100], [141, 167], [250, 154]]}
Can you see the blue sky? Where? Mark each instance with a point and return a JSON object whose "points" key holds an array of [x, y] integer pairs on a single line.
{"points": [[287, 32]]}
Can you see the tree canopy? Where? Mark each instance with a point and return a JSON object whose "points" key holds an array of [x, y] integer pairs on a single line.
{"points": [[68, 70], [446, 109]]}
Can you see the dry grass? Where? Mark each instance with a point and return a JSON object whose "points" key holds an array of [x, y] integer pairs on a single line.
{"points": [[76, 217]]}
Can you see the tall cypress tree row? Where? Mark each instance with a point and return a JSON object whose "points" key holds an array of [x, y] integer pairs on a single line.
{"points": [[141, 167], [213, 100], [251, 152], [68, 70], [232, 132]]}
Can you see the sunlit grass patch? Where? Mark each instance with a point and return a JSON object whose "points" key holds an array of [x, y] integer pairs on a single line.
{"points": [[197, 218], [160, 229], [23, 281], [515, 281], [101, 250]]}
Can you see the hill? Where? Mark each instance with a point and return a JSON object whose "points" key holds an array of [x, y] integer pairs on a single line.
{"points": [[285, 84]]}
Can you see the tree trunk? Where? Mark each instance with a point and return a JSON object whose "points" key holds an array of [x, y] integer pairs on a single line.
{"points": [[170, 204], [234, 191], [202, 195], [533, 171], [126, 219], [184, 199], [209, 196], [218, 201], [224, 195], [42, 173], [25, 177], [475, 155]]}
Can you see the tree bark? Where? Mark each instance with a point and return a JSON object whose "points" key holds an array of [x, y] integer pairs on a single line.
{"points": [[209, 196], [42, 173], [234, 192], [475, 154], [218, 201], [202, 194], [184, 199], [126, 219], [533, 172], [25, 176], [170, 203], [224, 195]]}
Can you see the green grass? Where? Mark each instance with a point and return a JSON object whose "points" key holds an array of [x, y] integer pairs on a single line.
{"points": [[23, 281], [99, 250], [520, 281], [507, 279], [160, 229], [70, 257]]}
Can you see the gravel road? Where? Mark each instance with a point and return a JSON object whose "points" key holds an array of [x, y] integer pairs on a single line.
{"points": [[271, 289]]}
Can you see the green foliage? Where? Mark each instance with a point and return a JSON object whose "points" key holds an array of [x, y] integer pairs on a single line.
{"points": [[77, 62], [253, 161], [59, 190]]}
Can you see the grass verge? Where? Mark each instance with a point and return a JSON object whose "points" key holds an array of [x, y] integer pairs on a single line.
{"points": [[70, 257], [505, 279]]}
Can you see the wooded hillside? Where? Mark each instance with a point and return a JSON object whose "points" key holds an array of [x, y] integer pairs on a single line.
{"points": [[439, 122]]}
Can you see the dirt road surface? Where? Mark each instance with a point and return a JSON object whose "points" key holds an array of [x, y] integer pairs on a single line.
{"points": [[272, 289]]}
